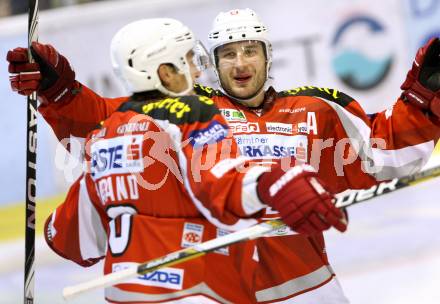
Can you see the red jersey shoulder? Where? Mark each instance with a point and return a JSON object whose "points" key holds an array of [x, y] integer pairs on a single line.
{"points": [[328, 94], [206, 91], [177, 110], [332, 97]]}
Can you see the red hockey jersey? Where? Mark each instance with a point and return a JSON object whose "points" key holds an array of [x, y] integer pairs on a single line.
{"points": [[151, 184], [321, 126]]}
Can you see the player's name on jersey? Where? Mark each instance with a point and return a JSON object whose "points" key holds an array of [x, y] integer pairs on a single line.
{"points": [[122, 188]]}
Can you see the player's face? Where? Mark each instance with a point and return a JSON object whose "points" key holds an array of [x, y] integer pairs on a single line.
{"points": [[241, 67], [179, 84]]}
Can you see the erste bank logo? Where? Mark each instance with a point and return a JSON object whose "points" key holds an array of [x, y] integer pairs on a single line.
{"points": [[117, 155], [363, 53]]}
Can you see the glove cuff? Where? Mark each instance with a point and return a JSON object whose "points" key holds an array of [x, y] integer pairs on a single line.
{"points": [[423, 98], [63, 91]]}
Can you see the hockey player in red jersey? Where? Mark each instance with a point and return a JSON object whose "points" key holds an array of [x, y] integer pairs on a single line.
{"points": [[157, 171], [321, 126]]}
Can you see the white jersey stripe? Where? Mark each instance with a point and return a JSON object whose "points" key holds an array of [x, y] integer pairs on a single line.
{"points": [[402, 162], [295, 286], [92, 235], [382, 164], [119, 295], [249, 198], [176, 134]]}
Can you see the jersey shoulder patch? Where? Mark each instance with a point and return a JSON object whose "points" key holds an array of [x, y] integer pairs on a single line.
{"points": [[326, 93], [206, 91], [177, 110]]}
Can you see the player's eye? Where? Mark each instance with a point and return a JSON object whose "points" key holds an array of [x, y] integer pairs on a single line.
{"points": [[249, 52], [228, 55]]}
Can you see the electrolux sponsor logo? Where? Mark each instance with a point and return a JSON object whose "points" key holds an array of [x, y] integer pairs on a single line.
{"points": [[276, 127], [244, 127], [168, 277], [116, 156], [233, 115], [212, 134], [365, 66]]}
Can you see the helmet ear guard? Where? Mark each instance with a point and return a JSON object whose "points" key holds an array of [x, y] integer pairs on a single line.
{"points": [[139, 48]]}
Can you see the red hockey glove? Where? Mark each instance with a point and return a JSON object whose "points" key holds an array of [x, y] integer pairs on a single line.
{"points": [[422, 84], [300, 198], [50, 75]]}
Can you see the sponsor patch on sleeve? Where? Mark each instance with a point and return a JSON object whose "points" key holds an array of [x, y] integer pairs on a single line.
{"points": [[215, 132]]}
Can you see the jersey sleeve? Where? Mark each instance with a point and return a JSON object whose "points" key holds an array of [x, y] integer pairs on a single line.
{"points": [[80, 115], [220, 182], [405, 137], [393, 143], [75, 230]]}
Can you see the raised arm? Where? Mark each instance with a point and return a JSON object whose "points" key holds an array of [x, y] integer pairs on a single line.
{"points": [[69, 107]]}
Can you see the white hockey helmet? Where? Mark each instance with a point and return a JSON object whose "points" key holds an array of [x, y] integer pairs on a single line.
{"points": [[139, 48], [238, 25]]}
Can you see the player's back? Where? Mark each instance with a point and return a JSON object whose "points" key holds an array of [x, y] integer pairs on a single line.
{"points": [[134, 158], [137, 166]]}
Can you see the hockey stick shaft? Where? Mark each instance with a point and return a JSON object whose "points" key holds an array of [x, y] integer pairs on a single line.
{"points": [[174, 258], [31, 160], [351, 197], [345, 199]]}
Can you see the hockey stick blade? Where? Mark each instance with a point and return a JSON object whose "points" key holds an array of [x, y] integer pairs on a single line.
{"points": [[344, 199]]}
